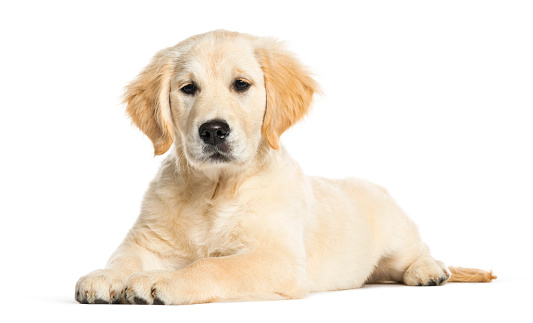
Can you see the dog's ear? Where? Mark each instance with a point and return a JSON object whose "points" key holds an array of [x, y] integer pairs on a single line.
{"points": [[148, 100], [289, 89]]}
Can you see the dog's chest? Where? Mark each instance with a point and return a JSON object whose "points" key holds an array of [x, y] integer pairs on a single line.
{"points": [[213, 229]]}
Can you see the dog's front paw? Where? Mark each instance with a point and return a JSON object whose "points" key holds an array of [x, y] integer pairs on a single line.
{"points": [[426, 272], [102, 286], [154, 288]]}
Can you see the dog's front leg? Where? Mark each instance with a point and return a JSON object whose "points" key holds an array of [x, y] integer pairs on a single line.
{"points": [[257, 275], [106, 286]]}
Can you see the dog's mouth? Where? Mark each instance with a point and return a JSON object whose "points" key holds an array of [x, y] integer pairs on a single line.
{"points": [[217, 154], [219, 158]]}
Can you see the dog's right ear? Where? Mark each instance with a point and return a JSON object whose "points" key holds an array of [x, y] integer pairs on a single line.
{"points": [[148, 100]]}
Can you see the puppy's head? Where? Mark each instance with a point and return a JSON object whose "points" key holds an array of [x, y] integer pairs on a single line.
{"points": [[219, 96]]}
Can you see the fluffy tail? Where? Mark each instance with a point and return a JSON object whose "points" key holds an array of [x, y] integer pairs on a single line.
{"points": [[471, 275]]}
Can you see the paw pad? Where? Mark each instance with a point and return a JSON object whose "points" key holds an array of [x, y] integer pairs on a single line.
{"points": [[139, 301]]}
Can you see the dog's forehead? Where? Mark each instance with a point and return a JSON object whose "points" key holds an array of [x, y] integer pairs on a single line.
{"points": [[220, 57]]}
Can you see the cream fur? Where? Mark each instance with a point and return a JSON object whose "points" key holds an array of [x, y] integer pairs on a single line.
{"points": [[256, 227]]}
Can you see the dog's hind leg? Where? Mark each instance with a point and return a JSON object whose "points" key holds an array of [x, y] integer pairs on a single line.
{"points": [[406, 258], [413, 268], [403, 256], [426, 271]]}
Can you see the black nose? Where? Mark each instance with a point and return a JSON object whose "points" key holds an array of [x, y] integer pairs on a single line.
{"points": [[214, 132]]}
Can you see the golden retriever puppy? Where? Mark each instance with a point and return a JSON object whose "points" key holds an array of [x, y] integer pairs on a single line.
{"points": [[230, 215]]}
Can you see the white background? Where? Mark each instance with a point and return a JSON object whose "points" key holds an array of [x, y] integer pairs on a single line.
{"points": [[433, 100]]}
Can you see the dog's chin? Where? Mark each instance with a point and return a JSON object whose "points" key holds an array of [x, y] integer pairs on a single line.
{"points": [[204, 157], [213, 159], [218, 158]]}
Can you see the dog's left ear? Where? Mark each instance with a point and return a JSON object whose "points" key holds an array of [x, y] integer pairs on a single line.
{"points": [[289, 89], [148, 100]]}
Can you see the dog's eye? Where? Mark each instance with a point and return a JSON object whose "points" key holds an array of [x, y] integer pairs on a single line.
{"points": [[189, 89], [241, 86]]}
